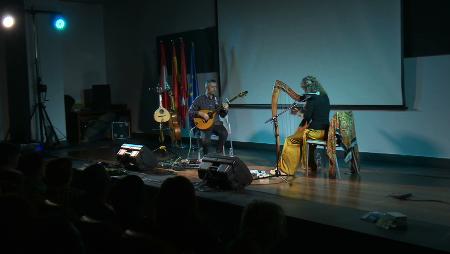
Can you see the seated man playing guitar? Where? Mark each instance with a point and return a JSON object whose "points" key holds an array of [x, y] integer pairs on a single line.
{"points": [[210, 102]]}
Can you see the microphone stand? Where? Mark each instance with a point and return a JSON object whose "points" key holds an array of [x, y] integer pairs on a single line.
{"points": [[231, 151], [47, 133], [295, 104]]}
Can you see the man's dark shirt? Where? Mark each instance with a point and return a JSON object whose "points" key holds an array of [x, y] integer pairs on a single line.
{"points": [[316, 112], [204, 102]]}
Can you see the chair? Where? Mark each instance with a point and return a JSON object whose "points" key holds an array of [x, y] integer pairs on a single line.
{"points": [[191, 134], [228, 128], [341, 136], [323, 144]]}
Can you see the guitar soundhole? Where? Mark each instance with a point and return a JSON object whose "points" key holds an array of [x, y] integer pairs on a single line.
{"points": [[161, 111]]}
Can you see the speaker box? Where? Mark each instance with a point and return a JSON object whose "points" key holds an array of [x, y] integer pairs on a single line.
{"points": [[136, 157], [224, 172], [120, 130]]}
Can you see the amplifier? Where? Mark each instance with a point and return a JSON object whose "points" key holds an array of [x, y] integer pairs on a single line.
{"points": [[120, 130]]}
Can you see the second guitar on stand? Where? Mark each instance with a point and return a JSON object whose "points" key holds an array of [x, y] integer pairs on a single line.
{"points": [[161, 114]]}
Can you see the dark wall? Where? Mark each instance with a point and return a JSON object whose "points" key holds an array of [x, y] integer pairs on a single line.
{"points": [[17, 75], [207, 58], [426, 32], [4, 117]]}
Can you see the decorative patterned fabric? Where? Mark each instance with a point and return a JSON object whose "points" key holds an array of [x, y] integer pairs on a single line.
{"points": [[342, 132]]}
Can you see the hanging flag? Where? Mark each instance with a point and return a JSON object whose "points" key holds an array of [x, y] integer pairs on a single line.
{"points": [[184, 85], [163, 75], [176, 93], [193, 83]]}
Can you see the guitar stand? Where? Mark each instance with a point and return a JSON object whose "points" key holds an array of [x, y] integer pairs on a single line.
{"points": [[231, 149], [162, 149]]}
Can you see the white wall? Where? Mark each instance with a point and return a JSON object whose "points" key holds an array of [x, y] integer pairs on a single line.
{"points": [[355, 46], [422, 130]]}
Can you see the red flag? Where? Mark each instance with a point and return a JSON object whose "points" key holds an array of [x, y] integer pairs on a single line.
{"points": [[184, 85], [163, 74], [176, 94]]}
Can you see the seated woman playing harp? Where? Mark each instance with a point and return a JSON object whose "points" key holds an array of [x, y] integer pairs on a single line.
{"points": [[314, 125]]}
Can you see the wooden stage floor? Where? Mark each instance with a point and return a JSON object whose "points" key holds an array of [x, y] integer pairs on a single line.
{"points": [[335, 202]]}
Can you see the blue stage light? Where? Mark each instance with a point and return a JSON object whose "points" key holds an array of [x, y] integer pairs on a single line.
{"points": [[60, 23]]}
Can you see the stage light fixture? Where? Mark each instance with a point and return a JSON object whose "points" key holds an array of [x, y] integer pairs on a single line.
{"points": [[8, 21], [59, 23]]}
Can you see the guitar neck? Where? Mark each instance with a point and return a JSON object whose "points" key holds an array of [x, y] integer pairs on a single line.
{"points": [[160, 101], [234, 98]]}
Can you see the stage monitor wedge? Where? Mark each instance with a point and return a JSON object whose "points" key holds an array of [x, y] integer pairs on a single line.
{"points": [[136, 157], [224, 172]]}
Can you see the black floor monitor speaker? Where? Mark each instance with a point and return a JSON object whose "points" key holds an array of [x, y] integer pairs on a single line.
{"points": [[224, 172], [136, 157]]}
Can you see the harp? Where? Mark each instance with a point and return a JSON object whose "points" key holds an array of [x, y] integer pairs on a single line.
{"points": [[275, 106]]}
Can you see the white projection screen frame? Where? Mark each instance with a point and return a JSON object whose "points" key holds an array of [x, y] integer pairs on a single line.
{"points": [[354, 48]]}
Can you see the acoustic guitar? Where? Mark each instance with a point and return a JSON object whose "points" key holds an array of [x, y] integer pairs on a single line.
{"points": [[201, 124]]}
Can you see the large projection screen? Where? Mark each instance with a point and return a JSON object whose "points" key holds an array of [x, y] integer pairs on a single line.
{"points": [[354, 48]]}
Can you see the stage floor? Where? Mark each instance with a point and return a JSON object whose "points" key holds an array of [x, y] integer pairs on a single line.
{"points": [[319, 199]]}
